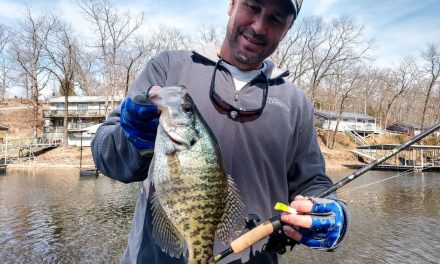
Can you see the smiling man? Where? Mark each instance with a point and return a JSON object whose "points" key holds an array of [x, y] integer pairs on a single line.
{"points": [[262, 122], [255, 29]]}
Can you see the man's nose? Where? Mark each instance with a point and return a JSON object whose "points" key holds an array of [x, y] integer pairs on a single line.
{"points": [[259, 25]]}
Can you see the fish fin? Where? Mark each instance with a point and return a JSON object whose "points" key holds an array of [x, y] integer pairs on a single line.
{"points": [[164, 232], [148, 181], [233, 214]]}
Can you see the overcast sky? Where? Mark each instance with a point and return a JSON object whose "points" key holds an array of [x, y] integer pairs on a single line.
{"points": [[399, 27]]}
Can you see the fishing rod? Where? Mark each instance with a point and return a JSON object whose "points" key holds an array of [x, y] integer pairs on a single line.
{"points": [[274, 224]]}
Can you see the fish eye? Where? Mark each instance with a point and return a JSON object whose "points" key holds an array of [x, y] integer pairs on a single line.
{"points": [[187, 108]]}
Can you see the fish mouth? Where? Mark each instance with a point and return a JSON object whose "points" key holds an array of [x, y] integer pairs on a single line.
{"points": [[182, 142], [181, 138]]}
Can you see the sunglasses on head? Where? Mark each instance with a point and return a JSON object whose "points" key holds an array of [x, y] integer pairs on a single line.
{"points": [[234, 112]]}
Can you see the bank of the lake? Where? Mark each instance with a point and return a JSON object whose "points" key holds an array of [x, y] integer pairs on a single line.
{"points": [[59, 157], [336, 152], [337, 155], [70, 157]]}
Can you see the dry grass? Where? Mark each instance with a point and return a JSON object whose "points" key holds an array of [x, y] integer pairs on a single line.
{"points": [[69, 155]]}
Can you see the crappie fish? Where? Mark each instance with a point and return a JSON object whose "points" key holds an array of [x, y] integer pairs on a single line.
{"points": [[194, 199]]}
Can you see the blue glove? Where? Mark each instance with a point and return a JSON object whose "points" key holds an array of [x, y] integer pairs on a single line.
{"points": [[139, 119], [328, 224]]}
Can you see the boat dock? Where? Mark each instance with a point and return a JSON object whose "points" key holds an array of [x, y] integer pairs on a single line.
{"points": [[416, 157], [3, 168]]}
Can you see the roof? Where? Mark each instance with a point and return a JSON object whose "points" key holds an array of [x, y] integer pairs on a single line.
{"points": [[393, 146], [85, 99], [344, 115], [405, 124]]}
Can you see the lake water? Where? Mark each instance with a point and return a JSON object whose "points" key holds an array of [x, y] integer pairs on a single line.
{"points": [[56, 216]]}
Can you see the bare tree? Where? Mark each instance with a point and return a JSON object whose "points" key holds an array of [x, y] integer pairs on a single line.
{"points": [[168, 38], [29, 41], [61, 50], [403, 78], [5, 36], [114, 29], [320, 46], [431, 57], [5, 62], [381, 91], [436, 110], [371, 83], [131, 58], [347, 77], [163, 38], [210, 34], [86, 79], [293, 52]]}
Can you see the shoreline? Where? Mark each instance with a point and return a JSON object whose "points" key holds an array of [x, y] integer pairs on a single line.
{"points": [[71, 157], [330, 166], [48, 166]]}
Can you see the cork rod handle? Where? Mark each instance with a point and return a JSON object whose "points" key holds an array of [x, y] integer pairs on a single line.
{"points": [[253, 236]]}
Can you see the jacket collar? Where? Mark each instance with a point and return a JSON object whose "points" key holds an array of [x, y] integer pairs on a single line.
{"points": [[210, 52]]}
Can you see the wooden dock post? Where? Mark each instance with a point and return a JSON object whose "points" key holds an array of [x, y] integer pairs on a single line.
{"points": [[87, 171], [416, 157]]}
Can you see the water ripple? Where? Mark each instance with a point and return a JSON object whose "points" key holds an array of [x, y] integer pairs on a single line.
{"points": [[55, 216], [59, 217]]}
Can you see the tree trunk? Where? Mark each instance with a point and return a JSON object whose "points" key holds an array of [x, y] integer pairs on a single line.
{"points": [[336, 127], [66, 115]]}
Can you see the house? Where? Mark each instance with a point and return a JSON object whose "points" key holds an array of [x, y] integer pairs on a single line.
{"points": [[83, 137], [360, 123], [405, 127], [83, 112]]}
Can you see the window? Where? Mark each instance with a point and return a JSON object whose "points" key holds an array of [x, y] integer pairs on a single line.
{"points": [[83, 106], [59, 122]]}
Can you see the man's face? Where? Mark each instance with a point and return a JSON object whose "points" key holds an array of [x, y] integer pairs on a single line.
{"points": [[255, 29]]}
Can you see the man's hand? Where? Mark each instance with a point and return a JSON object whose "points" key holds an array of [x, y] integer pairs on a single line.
{"points": [[139, 119], [320, 223]]}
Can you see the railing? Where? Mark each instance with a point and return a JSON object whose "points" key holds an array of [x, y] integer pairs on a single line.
{"points": [[75, 113], [71, 126], [344, 126], [19, 149], [361, 127], [13, 142], [360, 141]]}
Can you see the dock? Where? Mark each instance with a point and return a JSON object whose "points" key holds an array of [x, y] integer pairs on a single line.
{"points": [[88, 171], [3, 168], [25, 149], [416, 157]]}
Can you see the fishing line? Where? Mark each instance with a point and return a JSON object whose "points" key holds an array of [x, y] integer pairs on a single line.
{"points": [[368, 184]]}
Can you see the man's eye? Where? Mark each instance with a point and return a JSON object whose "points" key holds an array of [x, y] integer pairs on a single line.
{"points": [[277, 21], [253, 8]]}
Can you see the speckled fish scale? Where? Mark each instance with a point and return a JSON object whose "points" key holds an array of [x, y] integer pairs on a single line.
{"points": [[195, 199]]}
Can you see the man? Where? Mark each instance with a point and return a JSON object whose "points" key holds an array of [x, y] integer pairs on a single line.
{"points": [[262, 122]]}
